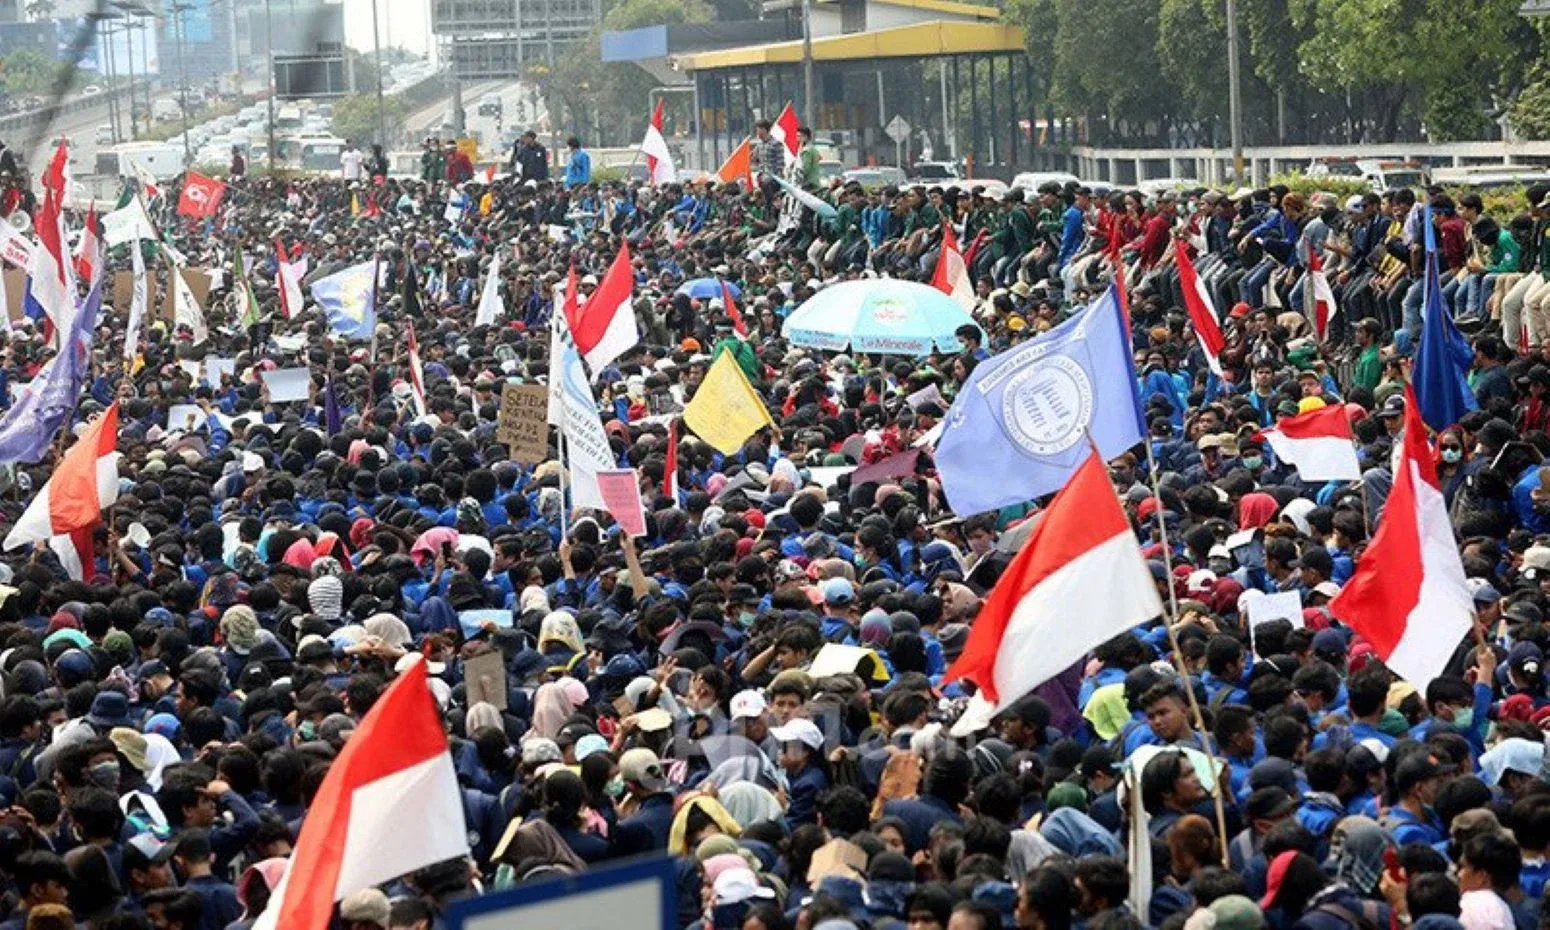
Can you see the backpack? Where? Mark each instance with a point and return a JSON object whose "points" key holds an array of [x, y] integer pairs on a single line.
{"points": [[1370, 917]]}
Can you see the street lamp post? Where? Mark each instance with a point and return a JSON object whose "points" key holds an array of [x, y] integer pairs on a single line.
{"points": [[177, 27], [376, 40], [1234, 95], [269, 79]]}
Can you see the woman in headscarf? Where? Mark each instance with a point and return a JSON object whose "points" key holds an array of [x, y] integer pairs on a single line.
{"points": [[559, 639], [535, 849], [698, 817], [748, 803], [1357, 847], [1255, 510], [552, 706], [257, 883]]}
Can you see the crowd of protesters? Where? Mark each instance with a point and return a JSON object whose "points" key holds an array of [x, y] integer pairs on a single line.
{"points": [[166, 722]]}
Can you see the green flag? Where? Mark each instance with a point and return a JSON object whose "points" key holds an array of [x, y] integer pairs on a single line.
{"points": [[242, 291]]}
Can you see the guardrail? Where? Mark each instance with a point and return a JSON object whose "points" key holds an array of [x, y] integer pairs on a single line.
{"points": [[1214, 166], [42, 115]]}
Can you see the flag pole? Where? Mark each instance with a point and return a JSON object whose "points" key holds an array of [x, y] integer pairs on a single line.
{"points": [[1178, 654]]}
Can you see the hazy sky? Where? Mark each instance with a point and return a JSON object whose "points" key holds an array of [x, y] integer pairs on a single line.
{"points": [[405, 23]]}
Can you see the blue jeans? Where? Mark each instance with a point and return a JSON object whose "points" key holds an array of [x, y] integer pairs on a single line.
{"points": [[1477, 292], [1251, 290]]}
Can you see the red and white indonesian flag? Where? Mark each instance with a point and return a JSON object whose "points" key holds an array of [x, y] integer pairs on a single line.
{"points": [[389, 805], [604, 327], [952, 275], [88, 253], [1321, 297], [785, 128], [84, 484], [1407, 596], [1319, 444], [658, 159], [416, 375], [288, 275], [1202, 311], [1025, 634]]}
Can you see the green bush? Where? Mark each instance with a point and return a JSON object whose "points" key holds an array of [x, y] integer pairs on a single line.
{"points": [[1342, 187]]}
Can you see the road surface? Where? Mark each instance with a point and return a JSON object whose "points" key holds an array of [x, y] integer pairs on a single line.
{"points": [[516, 100]]}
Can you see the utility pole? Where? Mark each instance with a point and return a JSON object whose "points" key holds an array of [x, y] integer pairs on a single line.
{"points": [[1234, 94], [376, 41], [177, 27], [269, 78], [807, 62]]}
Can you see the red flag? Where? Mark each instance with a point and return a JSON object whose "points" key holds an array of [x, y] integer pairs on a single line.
{"points": [[1319, 444], [730, 305], [86, 258], [1322, 297], [738, 166], [201, 195], [1407, 596], [670, 467], [785, 127], [389, 805], [489, 175], [1201, 312], [659, 158], [952, 272], [1023, 635], [416, 374]]}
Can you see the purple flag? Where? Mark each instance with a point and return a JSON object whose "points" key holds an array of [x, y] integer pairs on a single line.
{"points": [[47, 402]]}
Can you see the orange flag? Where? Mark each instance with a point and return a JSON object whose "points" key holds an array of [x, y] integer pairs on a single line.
{"points": [[738, 166]]}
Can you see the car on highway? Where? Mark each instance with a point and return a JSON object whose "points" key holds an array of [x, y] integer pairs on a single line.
{"points": [[1030, 181], [103, 135], [90, 90], [490, 105]]}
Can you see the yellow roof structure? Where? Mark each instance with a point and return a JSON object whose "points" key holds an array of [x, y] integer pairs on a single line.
{"points": [[920, 40], [950, 7]]}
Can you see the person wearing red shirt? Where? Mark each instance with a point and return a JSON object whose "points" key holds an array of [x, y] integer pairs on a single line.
{"points": [[1154, 236]]}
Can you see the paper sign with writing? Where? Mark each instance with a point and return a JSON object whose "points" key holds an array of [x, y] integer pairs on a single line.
{"points": [[621, 495], [287, 384], [524, 427]]}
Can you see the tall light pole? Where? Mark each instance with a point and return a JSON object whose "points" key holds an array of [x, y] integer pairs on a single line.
{"points": [[269, 79], [807, 62], [1234, 94], [177, 27], [376, 41]]}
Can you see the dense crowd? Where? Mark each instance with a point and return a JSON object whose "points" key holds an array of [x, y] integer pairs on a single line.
{"points": [[166, 721]]}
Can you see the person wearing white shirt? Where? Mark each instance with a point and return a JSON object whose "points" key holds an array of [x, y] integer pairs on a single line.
{"points": [[350, 161]]}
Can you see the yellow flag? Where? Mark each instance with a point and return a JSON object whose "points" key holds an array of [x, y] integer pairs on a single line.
{"points": [[355, 204], [726, 410]]}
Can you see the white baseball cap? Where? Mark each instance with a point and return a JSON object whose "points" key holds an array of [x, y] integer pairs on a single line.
{"points": [[746, 704], [799, 731], [735, 885]]}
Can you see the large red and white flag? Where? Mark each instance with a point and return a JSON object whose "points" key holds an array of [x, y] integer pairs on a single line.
{"points": [[52, 274], [1321, 297], [389, 805], [604, 327], [659, 160], [288, 275], [84, 484], [729, 304], [785, 128], [1407, 596], [1202, 311], [1083, 543], [952, 274], [670, 465], [88, 253], [1319, 444]]}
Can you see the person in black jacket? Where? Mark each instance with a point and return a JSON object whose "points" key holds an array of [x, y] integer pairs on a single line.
{"points": [[529, 159]]}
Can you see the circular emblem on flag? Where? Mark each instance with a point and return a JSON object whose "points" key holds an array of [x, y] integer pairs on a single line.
{"points": [[1047, 407], [197, 194]]}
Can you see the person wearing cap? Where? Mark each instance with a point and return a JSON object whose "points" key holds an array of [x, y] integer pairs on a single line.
{"points": [[647, 807], [146, 867], [806, 767], [366, 909], [1417, 779], [840, 619]]}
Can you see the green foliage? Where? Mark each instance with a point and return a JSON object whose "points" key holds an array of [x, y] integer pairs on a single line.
{"points": [[355, 118], [1192, 46], [28, 71], [1530, 113], [1341, 187], [1106, 60]]}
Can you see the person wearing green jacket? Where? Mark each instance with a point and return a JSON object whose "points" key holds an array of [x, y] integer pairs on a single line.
{"points": [[1369, 362], [807, 160], [1505, 258]]}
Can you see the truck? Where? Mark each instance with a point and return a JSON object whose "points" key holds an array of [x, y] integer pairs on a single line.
{"points": [[165, 110], [163, 160]]}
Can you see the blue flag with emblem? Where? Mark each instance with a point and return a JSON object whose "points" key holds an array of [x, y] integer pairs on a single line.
{"points": [[1444, 356], [1019, 426], [349, 298]]}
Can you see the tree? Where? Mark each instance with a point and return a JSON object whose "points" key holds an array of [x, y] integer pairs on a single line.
{"points": [[1106, 61], [27, 71], [355, 118], [1530, 113]]}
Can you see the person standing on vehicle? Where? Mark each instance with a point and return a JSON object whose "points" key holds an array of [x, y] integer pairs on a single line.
{"points": [[807, 160]]}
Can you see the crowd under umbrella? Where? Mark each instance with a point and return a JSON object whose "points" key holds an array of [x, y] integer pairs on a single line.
{"points": [[881, 316], [709, 289]]}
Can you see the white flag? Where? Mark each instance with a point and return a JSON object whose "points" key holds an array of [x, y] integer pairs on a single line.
{"points": [[585, 442], [137, 305], [491, 306], [186, 310]]}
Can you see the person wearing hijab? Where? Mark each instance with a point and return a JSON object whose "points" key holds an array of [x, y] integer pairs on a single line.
{"points": [[698, 817]]}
